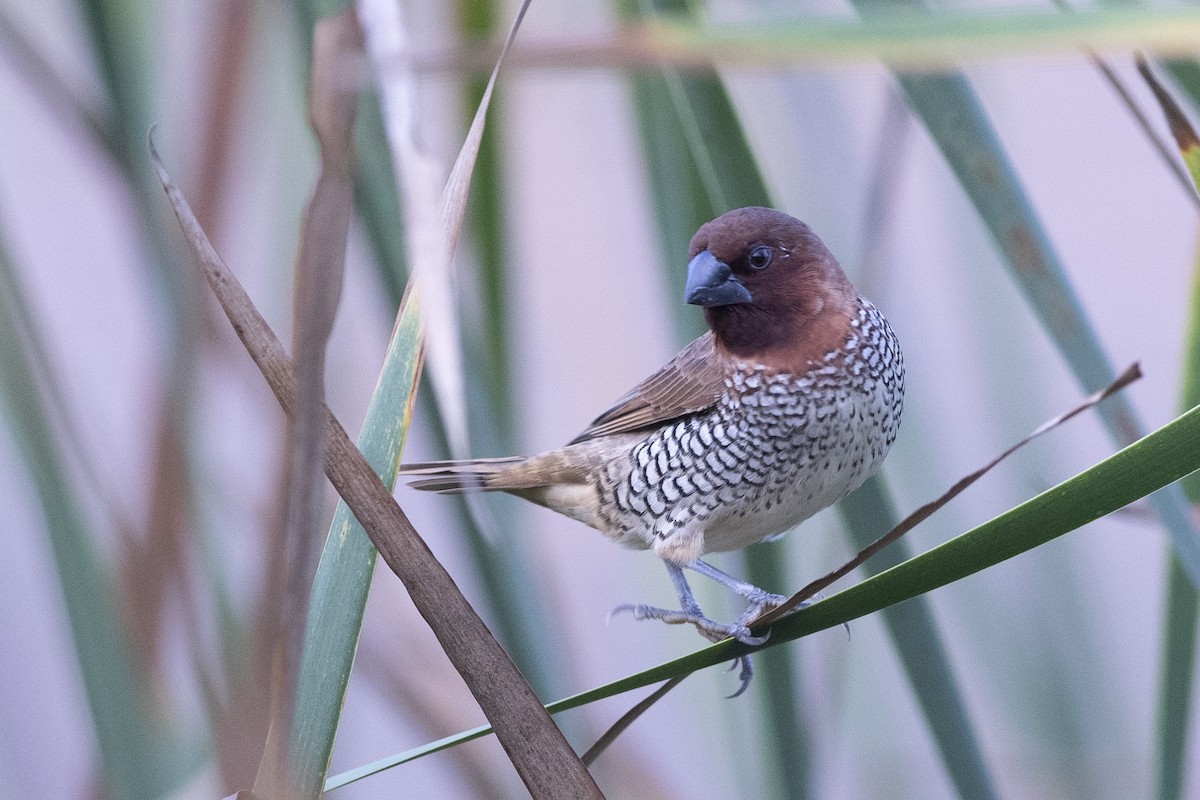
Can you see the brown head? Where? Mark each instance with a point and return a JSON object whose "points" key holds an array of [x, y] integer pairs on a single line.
{"points": [[772, 292]]}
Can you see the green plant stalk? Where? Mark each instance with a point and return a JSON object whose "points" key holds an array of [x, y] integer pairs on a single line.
{"points": [[1175, 682], [477, 20], [343, 577], [786, 743], [139, 759], [1182, 602], [899, 33], [1157, 460], [680, 202], [377, 199], [705, 184], [867, 514], [119, 32], [674, 108], [501, 557], [953, 116]]}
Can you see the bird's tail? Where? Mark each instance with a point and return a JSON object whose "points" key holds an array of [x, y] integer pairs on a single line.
{"points": [[456, 477]]}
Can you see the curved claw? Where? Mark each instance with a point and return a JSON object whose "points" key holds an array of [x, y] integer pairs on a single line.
{"points": [[625, 608], [745, 676]]}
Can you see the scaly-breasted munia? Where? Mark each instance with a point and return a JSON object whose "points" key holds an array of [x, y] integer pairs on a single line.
{"points": [[788, 403]]}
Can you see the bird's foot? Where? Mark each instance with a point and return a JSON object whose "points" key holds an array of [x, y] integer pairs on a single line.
{"points": [[760, 604], [709, 628]]}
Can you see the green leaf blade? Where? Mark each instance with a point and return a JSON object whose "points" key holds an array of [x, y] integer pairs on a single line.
{"points": [[343, 577], [867, 513], [141, 756], [956, 121]]}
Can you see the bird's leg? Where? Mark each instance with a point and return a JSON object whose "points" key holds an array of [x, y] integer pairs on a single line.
{"points": [[690, 613], [760, 600]]}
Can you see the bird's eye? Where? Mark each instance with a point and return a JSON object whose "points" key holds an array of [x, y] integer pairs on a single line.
{"points": [[760, 257]]}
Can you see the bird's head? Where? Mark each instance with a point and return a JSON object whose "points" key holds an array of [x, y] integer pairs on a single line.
{"points": [[771, 291]]}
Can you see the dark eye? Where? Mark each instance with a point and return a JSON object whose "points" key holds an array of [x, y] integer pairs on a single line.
{"points": [[760, 257]]}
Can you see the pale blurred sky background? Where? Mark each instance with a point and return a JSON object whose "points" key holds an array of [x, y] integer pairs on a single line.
{"points": [[591, 316]]}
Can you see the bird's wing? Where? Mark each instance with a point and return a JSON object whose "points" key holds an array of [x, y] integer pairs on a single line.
{"points": [[691, 382]]}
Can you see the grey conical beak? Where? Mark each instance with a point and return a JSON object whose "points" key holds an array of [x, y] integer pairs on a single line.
{"points": [[710, 282]]}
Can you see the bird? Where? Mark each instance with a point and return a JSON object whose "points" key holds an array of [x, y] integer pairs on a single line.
{"points": [[788, 403]]}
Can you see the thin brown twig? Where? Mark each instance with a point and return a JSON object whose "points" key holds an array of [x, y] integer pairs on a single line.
{"points": [[1131, 374], [225, 86], [1139, 116], [628, 718]]}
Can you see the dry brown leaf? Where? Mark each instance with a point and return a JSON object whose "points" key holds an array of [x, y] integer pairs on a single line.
{"points": [[333, 104], [433, 211], [538, 750]]}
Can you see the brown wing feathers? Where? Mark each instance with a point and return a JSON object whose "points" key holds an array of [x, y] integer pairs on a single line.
{"points": [[688, 383]]}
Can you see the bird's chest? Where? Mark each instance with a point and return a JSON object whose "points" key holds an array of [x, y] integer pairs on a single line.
{"points": [[808, 441]]}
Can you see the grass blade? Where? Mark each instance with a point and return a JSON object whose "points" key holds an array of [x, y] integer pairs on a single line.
{"points": [[537, 749], [718, 149], [343, 579], [958, 125], [319, 270], [500, 566], [141, 758], [956, 121], [915, 637], [1183, 599], [486, 204], [1153, 462]]}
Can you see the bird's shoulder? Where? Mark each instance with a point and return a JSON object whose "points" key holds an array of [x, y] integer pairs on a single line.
{"points": [[691, 382]]}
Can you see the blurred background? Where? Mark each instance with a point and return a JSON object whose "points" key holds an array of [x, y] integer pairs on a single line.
{"points": [[140, 452]]}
